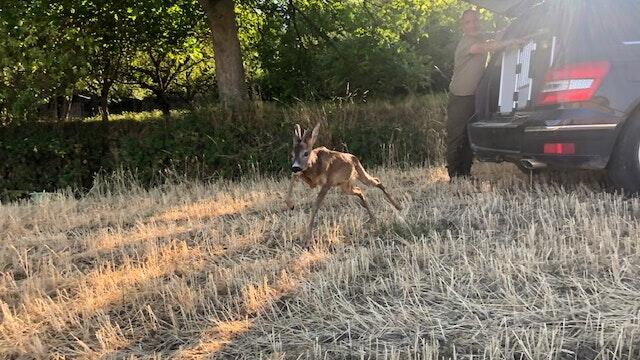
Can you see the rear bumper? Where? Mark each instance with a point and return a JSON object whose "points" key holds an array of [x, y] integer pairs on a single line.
{"points": [[523, 137]]}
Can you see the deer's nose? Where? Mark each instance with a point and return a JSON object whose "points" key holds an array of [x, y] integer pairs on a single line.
{"points": [[296, 169]]}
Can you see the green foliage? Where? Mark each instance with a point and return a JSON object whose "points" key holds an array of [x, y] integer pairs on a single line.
{"points": [[175, 55], [207, 143], [40, 58], [61, 47], [293, 49], [45, 156], [322, 49]]}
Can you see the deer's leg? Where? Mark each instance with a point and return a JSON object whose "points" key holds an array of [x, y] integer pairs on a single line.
{"points": [[349, 189], [389, 198], [314, 211], [369, 180], [288, 201]]}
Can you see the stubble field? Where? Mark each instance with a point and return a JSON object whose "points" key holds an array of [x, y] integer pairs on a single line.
{"points": [[502, 267]]}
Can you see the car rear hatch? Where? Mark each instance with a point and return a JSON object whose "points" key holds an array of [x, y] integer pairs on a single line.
{"points": [[512, 78], [509, 8], [573, 45], [544, 82]]}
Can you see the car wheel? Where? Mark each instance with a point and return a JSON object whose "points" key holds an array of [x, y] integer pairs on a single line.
{"points": [[624, 166]]}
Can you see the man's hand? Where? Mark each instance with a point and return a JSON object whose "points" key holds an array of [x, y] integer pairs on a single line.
{"points": [[494, 46], [500, 34]]}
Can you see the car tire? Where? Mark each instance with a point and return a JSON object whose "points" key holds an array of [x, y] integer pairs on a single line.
{"points": [[624, 166]]}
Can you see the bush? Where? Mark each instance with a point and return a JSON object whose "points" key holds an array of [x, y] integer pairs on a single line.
{"points": [[208, 143]]}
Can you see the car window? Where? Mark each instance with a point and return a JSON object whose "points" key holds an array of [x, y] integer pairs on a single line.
{"points": [[595, 29], [585, 29]]}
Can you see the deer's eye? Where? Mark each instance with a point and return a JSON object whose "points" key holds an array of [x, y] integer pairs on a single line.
{"points": [[306, 153]]}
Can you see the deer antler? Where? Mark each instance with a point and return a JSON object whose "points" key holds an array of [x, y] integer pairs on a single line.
{"points": [[298, 132]]}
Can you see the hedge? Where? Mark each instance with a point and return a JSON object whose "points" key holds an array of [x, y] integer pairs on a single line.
{"points": [[208, 143]]}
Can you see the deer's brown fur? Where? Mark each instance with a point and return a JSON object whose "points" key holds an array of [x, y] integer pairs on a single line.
{"points": [[324, 168]]}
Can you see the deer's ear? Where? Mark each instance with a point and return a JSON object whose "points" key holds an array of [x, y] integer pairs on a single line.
{"points": [[314, 134]]}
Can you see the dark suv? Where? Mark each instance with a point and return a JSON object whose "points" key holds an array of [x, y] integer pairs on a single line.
{"points": [[568, 98]]}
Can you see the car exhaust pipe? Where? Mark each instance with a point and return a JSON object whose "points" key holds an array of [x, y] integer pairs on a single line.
{"points": [[531, 164]]}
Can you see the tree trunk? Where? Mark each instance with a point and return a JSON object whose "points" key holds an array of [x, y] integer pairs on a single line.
{"points": [[226, 46], [67, 102], [104, 102], [68, 108], [56, 109], [165, 106], [108, 146]]}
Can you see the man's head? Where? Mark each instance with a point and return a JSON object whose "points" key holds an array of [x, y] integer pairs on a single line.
{"points": [[470, 23]]}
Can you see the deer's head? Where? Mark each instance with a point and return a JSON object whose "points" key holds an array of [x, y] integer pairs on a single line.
{"points": [[302, 146]]}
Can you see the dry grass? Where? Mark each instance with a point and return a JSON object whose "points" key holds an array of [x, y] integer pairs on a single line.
{"points": [[505, 267]]}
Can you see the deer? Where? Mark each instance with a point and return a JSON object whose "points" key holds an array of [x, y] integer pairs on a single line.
{"points": [[324, 168]]}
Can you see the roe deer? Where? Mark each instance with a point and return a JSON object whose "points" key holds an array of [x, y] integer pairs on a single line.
{"points": [[326, 168]]}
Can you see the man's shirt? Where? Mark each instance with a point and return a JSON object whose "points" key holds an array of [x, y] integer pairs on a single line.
{"points": [[467, 68]]}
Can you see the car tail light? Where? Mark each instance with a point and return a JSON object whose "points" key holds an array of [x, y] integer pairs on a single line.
{"points": [[572, 83], [559, 148]]}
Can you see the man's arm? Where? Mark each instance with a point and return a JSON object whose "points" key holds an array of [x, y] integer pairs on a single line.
{"points": [[493, 46]]}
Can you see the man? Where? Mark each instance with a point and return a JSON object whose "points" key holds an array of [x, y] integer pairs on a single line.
{"points": [[470, 60]]}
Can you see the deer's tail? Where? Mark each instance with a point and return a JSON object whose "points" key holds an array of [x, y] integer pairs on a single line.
{"points": [[369, 180]]}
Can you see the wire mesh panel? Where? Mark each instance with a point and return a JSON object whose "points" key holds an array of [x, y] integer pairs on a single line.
{"points": [[507, 80], [524, 80]]}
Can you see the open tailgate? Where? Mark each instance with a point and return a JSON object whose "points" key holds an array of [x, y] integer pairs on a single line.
{"points": [[505, 7]]}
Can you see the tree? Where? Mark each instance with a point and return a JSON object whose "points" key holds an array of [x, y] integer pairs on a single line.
{"points": [[286, 49], [114, 34], [41, 58], [228, 57], [171, 52], [317, 49], [60, 47]]}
